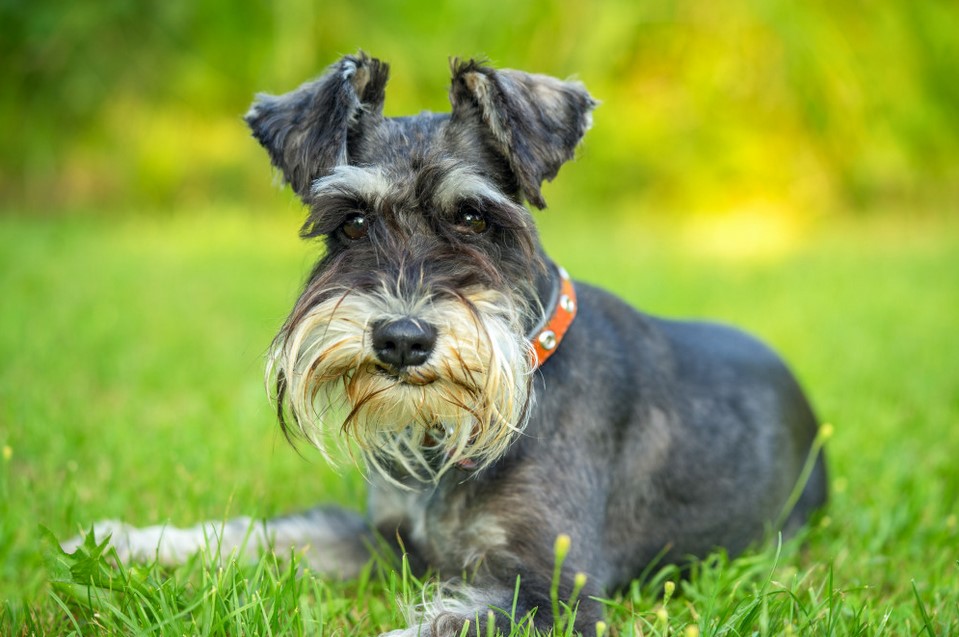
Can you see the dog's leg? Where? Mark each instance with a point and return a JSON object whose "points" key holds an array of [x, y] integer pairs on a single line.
{"points": [[332, 541], [448, 611], [502, 602]]}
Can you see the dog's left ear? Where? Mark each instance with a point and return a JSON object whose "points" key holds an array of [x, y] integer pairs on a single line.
{"points": [[534, 121], [305, 131]]}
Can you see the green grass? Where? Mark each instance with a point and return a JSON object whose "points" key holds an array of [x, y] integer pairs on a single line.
{"points": [[131, 353]]}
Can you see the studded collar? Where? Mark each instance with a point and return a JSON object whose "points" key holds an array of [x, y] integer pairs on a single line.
{"points": [[547, 336]]}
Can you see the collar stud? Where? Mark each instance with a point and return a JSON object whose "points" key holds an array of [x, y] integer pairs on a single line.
{"points": [[547, 339]]}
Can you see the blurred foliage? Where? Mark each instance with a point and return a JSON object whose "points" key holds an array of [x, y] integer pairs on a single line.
{"points": [[800, 107]]}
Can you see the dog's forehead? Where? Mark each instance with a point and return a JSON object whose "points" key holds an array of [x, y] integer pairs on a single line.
{"points": [[415, 159], [415, 134], [404, 146]]}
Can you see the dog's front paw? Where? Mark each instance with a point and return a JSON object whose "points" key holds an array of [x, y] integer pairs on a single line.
{"points": [[442, 625], [414, 631]]}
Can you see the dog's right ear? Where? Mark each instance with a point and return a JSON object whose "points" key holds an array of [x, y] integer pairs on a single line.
{"points": [[534, 121], [305, 131]]}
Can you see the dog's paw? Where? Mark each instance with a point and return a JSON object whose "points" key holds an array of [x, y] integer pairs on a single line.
{"points": [[412, 631], [442, 625]]}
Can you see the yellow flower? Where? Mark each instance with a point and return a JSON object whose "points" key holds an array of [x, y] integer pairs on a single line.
{"points": [[668, 589]]}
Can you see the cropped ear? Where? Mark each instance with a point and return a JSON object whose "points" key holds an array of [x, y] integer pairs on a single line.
{"points": [[534, 121], [305, 131]]}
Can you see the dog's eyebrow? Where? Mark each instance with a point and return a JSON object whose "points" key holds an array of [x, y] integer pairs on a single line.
{"points": [[457, 183], [346, 191], [367, 183]]}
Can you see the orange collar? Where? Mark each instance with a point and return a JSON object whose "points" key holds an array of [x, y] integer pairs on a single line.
{"points": [[547, 339]]}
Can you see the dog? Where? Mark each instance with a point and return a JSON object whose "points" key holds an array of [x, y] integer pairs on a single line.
{"points": [[496, 404]]}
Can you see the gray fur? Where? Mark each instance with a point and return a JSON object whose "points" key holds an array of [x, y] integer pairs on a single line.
{"points": [[644, 438], [305, 131], [535, 121]]}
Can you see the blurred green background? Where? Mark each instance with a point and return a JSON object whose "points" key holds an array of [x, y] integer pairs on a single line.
{"points": [[790, 167], [757, 107]]}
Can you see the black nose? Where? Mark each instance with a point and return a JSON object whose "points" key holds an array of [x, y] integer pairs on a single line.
{"points": [[403, 342]]}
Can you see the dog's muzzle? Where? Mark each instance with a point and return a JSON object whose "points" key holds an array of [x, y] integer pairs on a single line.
{"points": [[418, 385], [422, 385]]}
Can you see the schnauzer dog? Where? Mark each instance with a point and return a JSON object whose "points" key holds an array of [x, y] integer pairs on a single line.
{"points": [[496, 404]]}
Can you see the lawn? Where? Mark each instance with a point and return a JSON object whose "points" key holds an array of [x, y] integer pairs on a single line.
{"points": [[131, 355]]}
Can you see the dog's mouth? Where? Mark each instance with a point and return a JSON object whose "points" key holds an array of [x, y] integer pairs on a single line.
{"points": [[407, 376]]}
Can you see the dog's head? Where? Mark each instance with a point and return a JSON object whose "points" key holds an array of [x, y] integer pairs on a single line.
{"points": [[411, 332]]}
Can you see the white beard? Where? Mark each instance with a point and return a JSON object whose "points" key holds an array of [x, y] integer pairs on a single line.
{"points": [[465, 404]]}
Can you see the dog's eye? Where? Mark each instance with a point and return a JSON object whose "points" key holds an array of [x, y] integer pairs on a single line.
{"points": [[471, 221], [355, 228]]}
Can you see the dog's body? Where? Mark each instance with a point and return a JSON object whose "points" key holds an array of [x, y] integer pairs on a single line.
{"points": [[423, 336]]}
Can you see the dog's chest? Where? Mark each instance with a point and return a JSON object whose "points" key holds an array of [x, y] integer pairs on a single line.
{"points": [[453, 528]]}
